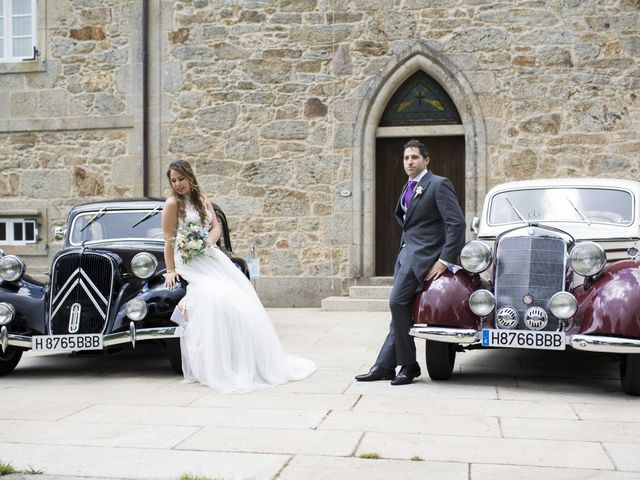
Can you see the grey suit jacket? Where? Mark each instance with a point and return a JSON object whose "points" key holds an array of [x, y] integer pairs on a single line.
{"points": [[433, 227]]}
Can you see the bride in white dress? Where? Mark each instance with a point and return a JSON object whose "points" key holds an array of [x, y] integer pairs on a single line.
{"points": [[228, 342]]}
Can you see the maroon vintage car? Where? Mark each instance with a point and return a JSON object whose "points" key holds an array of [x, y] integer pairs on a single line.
{"points": [[555, 266]]}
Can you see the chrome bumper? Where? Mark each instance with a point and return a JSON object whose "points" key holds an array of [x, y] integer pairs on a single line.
{"points": [[130, 336], [588, 343], [441, 334], [592, 343]]}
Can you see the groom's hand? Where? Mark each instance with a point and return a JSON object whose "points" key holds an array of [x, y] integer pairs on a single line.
{"points": [[437, 269]]}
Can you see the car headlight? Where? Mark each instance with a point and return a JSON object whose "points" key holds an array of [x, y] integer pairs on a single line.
{"points": [[587, 259], [475, 256], [563, 305], [143, 265], [136, 309], [11, 268], [7, 312], [481, 302]]}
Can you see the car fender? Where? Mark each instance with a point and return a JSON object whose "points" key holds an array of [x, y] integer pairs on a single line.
{"points": [[28, 297], [445, 301], [160, 300], [610, 305]]}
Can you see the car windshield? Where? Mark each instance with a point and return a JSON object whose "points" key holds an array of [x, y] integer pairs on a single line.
{"points": [[584, 205], [116, 224]]}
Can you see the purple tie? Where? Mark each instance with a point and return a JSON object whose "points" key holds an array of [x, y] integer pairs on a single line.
{"points": [[409, 193]]}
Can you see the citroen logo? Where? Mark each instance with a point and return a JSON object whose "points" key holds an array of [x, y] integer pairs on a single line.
{"points": [[74, 317]]}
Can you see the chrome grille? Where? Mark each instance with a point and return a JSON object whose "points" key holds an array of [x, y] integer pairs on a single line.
{"points": [[81, 287], [529, 265]]}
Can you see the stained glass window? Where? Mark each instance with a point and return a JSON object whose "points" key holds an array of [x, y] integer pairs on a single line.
{"points": [[420, 100]]}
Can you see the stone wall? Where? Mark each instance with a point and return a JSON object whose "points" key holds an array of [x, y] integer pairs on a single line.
{"points": [[251, 113], [265, 97], [68, 121], [269, 98], [64, 166]]}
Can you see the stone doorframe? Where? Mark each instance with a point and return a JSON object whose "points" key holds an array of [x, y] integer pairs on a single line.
{"points": [[419, 56]]}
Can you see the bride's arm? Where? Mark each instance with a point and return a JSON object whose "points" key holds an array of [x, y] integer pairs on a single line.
{"points": [[214, 231], [169, 228]]}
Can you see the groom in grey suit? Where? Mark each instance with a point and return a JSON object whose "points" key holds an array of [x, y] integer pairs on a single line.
{"points": [[433, 230]]}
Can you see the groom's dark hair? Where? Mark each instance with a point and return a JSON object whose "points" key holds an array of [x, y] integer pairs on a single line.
{"points": [[424, 151]]}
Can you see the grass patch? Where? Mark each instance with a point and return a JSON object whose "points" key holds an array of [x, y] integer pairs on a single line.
{"points": [[371, 456], [7, 469], [417, 458]]}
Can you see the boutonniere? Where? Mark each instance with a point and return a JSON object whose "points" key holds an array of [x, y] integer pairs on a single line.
{"points": [[418, 192]]}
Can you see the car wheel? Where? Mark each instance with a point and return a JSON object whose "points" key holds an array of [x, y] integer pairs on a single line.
{"points": [[441, 357], [630, 373], [175, 355], [9, 359]]}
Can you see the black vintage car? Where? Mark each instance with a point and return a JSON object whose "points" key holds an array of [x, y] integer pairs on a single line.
{"points": [[106, 288]]}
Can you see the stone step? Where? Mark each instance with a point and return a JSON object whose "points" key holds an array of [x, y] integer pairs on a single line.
{"points": [[374, 281], [370, 292], [346, 304]]}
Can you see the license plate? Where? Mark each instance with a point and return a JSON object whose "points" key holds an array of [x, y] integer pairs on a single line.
{"points": [[66, 343], [523, 339]]}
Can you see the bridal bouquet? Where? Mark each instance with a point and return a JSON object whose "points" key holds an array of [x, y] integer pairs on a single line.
{"points": [[190, 240]]}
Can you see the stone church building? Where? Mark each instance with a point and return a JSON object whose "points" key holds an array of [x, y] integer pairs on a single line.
{"points": [[294, 113]]}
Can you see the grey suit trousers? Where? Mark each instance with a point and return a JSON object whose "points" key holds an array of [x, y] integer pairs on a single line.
{"points": [[399, 347]]}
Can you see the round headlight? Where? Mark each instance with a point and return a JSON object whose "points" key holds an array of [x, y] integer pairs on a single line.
{"points": [[143, 265], [7, 312], [563, 305], [136, 309], [481, 302], [587, 258], [11, 268], [475, 256]]}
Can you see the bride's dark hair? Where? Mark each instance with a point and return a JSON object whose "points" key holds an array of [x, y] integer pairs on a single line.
{"points": [[184, 168]]}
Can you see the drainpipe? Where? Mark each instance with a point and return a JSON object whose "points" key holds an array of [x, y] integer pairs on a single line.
{"points": [[145, 99]]}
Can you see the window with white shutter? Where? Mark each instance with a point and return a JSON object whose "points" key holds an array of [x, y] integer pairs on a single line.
{"points": [[17, 30], [18, 231]]}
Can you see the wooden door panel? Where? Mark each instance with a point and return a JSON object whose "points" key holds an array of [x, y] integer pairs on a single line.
{"points": [[447, 159]]}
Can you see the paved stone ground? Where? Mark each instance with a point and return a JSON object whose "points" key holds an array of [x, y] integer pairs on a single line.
{"points": [[504, 414]]}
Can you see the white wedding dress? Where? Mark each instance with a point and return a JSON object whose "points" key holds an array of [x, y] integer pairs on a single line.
{"points": [[228, 341]]}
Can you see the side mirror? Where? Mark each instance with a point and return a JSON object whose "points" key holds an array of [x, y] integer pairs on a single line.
{"points": [[1, 253], [59, 233], [475, 224]]}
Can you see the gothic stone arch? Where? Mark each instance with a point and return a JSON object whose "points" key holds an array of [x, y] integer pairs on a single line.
{"points": [[418, 56]]}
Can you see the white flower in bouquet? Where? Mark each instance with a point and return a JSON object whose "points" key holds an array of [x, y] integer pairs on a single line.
{"points": [[190, 240]]}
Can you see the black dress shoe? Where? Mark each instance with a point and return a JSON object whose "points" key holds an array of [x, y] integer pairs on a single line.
{"points": [[406, 374], [376, 373]]}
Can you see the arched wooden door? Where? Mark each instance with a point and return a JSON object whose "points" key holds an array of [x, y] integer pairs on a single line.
{"points": [[419, 109]]}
